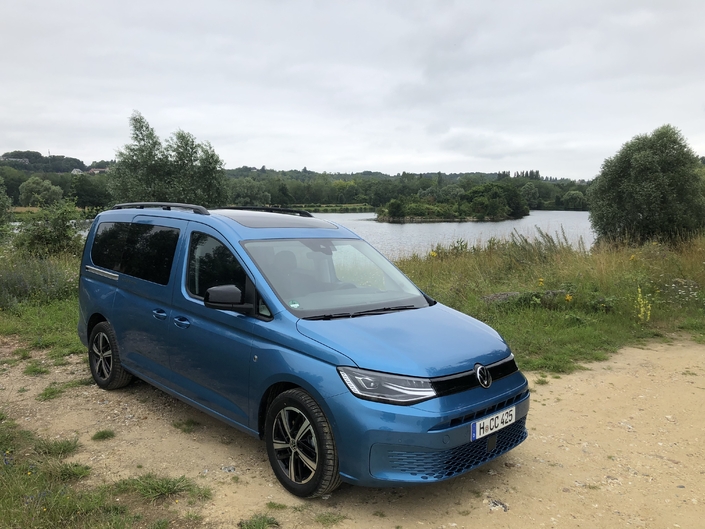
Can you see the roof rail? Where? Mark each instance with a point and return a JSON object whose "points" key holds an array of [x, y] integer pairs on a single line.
{"points": [[268, 209], [167, 206]]}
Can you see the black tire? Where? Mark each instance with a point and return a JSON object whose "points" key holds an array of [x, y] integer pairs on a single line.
{"points": [[104, 358], [300, 445]]}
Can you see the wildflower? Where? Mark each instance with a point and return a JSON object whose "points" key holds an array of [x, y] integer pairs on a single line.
{"points": [[568, 298], [632, 257], [540, 281]]}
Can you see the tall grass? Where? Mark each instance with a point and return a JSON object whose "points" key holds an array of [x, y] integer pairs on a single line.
{"points": [[563, 305], [24, 278]]}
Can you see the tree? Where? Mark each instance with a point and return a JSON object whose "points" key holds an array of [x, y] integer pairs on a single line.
{"points": [[650, 189], [5, 206], [574, 200], [13, 180], [182, 170], [38, 192], [247, 192], [395, 209], [530, 194], [90, 190]]}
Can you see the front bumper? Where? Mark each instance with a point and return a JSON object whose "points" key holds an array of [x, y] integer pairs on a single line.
{"points": [[386, 445]]}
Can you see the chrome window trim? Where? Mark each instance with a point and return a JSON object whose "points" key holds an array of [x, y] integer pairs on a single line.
{"points": [[102, 273]]}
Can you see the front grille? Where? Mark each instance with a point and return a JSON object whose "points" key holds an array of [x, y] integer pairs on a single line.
{"points": [[468, 380], [437, 465]]}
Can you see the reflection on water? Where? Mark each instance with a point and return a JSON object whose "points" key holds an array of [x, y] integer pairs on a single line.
{"points": [[397, 240]]}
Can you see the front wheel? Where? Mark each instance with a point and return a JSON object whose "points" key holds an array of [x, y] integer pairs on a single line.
{"points": [[104, 358], [300, 445]]}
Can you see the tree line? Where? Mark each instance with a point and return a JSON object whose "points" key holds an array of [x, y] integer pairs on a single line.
{"points": [[652, 186]]}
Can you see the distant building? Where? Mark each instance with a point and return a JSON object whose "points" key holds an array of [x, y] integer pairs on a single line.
{"points": [[76, 171]]}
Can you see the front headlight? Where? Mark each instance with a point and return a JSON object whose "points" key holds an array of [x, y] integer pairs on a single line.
{"points": [[383, 387]]}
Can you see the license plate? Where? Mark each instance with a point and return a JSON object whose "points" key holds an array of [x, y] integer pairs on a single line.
{"points": [[490, 425]]}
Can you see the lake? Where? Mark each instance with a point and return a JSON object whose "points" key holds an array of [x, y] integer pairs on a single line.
{"points": [[399, 240]]}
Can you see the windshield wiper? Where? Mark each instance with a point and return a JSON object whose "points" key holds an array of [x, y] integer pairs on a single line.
{"points": [[329, 316], [370, 312], [382, 310]]}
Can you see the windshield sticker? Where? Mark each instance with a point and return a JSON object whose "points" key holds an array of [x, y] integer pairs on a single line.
{"points": [[294, 304]]}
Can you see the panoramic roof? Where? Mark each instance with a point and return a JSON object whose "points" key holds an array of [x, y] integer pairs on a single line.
{"points": [[261, 219]]}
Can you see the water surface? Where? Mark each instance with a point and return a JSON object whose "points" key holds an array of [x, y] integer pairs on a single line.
{"points": [[398, 240]]}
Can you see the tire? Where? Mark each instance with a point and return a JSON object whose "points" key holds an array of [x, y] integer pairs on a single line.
{"points": [[300, 445], [104, 358]]}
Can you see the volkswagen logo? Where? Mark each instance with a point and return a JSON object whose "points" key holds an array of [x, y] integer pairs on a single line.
{"points": [[483, 376]]}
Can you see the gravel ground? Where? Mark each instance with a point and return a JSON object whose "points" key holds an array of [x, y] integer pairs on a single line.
{"points": [[619, 444]]}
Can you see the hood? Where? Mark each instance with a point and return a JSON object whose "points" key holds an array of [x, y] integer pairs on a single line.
{"points": [[429, 342]]}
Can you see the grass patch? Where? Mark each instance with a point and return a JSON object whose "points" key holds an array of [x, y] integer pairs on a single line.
{"points": [[50, 325], [55, 389], [274, 506], [329, 519], [258, 521], [52, 391], [37, 492], [154, 488], [187, 426], [102, 435], [57, 449], [22, 354], [35, 369]]}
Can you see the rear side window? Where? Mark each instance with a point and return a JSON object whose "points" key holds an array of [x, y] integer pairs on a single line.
{"points": [[144, 251], [211, 264]]}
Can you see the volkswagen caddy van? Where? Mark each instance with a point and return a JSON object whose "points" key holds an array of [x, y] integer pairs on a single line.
{"points": [[293, 329]]}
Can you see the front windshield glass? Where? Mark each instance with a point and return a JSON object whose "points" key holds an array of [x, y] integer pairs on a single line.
{"points": [[332, 277]]}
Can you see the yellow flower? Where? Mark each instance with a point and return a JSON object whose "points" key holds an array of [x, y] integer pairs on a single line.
{"points": [[433, 254], [632, 257], [540, 281], [568, 298]]}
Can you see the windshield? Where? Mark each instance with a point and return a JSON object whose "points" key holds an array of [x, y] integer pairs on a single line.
{"points": [[325, 278]]}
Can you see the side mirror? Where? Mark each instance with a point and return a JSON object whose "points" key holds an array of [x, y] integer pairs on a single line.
{"points": [[226, 297]]}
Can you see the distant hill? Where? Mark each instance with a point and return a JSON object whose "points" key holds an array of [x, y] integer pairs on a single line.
{"points": [[37, 163]]}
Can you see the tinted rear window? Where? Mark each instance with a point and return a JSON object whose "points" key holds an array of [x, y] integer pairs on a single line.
{"points": [[144, 251]]}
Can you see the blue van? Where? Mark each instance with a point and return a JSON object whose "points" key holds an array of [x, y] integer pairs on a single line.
{"points": [[293, 329]]}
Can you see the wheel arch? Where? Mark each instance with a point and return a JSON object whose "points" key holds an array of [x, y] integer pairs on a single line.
{"points": [[268, 397], [94, 320]]}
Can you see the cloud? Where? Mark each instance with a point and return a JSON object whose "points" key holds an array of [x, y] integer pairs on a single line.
{"points": [[342, 86]]}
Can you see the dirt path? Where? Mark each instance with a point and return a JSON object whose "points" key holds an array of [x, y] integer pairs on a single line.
{"points": [[621, 444]]}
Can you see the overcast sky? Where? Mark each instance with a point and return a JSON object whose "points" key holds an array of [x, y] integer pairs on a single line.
{"points": [[340, 86]]}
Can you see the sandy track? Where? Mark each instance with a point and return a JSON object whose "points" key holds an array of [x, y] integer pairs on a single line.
{"points": [[621, 444]]}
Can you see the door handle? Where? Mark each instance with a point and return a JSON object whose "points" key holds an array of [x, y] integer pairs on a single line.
{"points": [[181, 322], [159, 314]]}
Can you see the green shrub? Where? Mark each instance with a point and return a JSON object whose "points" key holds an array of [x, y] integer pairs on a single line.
{"points": [[53, 231]]}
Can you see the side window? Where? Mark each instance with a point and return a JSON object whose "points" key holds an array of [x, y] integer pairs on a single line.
{"points": [[210, 264], [144, 251]]}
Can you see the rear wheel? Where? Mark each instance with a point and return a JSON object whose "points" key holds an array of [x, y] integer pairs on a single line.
{"points": [[104, 358], [300, 445]]}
